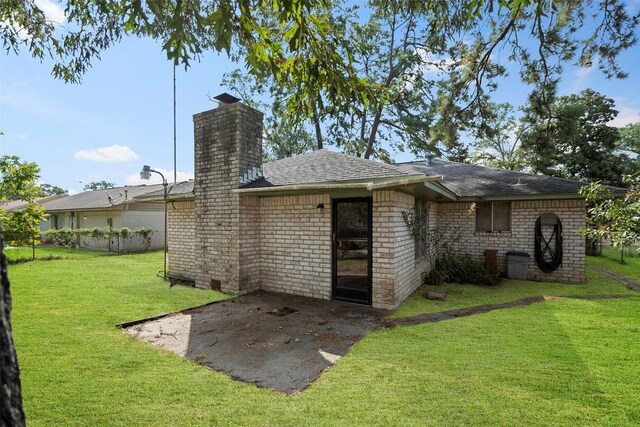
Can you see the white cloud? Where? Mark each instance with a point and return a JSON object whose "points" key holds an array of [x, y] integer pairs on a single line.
{"points": [[627, 115], [115, 153], [134, 179], [52, 11], [432, 64]]}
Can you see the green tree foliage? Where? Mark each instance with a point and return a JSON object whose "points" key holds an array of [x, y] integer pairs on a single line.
{"points": [[500, 148], [614, 219], [99, 185], [18, 179], [629, 144], [281, 138], [52, 190], [18, 182], [570, 137], [187, 30], [630, 138], [426, 70], [590, 153], [372, 69]]}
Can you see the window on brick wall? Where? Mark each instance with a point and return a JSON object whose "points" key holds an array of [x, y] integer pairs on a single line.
{"points": [[421, 219], [493, 216]]}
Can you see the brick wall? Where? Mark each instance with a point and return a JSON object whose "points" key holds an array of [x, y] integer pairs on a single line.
{"points": [[456, 216], [182, 231], [396, 273], [227, 142], [295, 245]]}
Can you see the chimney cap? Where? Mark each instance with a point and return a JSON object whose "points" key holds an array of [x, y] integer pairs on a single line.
{"points": [[225, 98]]}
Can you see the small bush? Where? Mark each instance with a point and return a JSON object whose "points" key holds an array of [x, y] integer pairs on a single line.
{"points": [[459, 268], [25, 260]]}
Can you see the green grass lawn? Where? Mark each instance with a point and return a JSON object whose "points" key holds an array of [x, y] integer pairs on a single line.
{"points": [[459, 296], [569, 362], [46, 251], [611, 261]]}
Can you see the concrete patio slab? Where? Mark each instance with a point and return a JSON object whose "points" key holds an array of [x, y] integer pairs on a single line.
{"points": [[280, 342]]}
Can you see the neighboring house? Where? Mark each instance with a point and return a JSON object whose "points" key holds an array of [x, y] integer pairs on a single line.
{"points": [[330, 226], [17, 205], [113, 207]]}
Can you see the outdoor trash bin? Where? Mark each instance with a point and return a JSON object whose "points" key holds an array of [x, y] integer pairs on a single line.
{"points": [[517, 265]]}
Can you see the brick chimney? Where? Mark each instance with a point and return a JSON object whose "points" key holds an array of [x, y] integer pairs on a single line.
{"points": [[227, 142]]}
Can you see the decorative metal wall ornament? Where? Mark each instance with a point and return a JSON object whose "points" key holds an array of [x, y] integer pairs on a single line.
{"points": [[548, 242]]}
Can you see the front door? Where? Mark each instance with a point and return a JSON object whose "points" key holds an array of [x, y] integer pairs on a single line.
{"points": [[352, 250]]}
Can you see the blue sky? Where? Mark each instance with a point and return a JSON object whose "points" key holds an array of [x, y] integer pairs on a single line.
{"points": [[121, 116]]}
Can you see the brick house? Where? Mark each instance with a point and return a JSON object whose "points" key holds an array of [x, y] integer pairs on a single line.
{"points": [[330, 226]]}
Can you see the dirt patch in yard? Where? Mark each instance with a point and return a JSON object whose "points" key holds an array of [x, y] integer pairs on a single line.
{"points": [[281, 342]]}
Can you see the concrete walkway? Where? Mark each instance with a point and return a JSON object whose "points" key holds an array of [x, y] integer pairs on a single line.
{"points": [[631, 284]]}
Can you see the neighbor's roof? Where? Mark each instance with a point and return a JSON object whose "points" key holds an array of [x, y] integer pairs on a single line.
{"points": [[180, 190], [12, 205], [99, 199], [474, 181]]}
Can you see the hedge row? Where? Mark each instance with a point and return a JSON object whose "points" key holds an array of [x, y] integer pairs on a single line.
{"points": [[71, 236]]}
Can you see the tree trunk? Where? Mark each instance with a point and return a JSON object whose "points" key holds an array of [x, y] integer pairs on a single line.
{"points": [[11, 413], [316, 124]]}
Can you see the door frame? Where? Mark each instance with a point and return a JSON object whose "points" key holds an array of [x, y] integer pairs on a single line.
{"points": [[334, 250]]}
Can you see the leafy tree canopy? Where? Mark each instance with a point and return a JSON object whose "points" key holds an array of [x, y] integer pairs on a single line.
{"points": [[571, 138], [630, 138], [615, 219], [52, 190], [500, 148], [99, 185], [18, 182], [18, 179], [426, 70], [358, 69]]}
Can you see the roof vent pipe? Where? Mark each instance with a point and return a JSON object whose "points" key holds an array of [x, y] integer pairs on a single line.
{"points": [[430, 157]]}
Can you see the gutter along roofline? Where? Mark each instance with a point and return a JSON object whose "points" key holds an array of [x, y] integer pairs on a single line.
{"points": [[368, 185]]}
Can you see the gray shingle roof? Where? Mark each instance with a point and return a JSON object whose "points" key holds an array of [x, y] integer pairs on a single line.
{"points": [[322, 166], [12, 205], [177, 190], [99, 199], [464, 180], [480, 181]]}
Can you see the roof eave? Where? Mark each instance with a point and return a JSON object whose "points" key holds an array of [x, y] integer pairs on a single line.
{"points": [[442, 190], [170, 198], [520, 197], [368, 185], [81, 209]]}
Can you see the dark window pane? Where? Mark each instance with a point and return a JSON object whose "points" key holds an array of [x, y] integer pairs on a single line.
{"points": [[353, 220], [483, 216], [502, 216]]}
